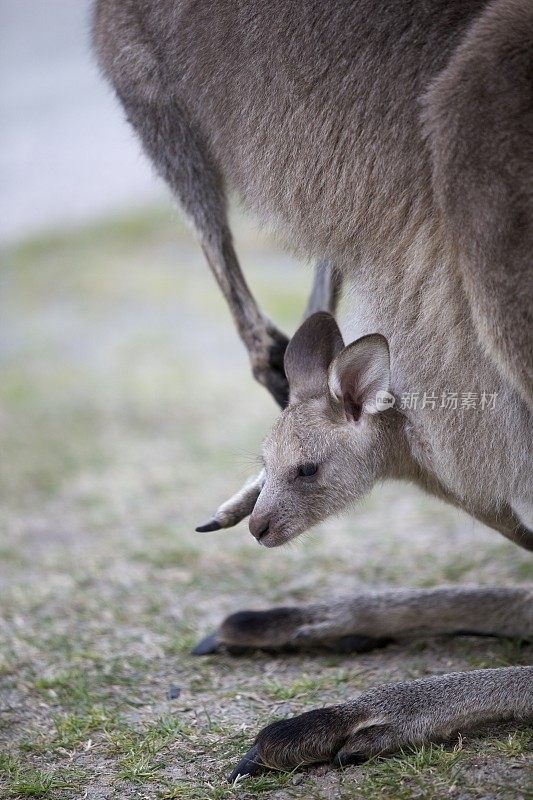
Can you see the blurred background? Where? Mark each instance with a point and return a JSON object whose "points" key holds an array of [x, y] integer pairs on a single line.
{"points": [[127, 413], [66, 155]]}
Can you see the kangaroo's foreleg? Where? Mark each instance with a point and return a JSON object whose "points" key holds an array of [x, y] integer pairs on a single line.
{"points": [[371, 619], [388, 718]]}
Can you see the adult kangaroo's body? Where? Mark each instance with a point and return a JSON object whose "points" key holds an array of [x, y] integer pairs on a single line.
{"points": [[393, 140]]}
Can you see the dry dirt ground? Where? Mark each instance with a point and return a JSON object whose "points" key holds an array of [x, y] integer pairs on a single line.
{"points": [[127, 414]]}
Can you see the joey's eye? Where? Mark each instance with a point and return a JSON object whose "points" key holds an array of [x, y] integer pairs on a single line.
{"points": [[307, 470]]}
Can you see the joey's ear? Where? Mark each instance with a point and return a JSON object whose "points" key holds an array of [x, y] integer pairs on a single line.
{"points": [[309, 353], [358, 373]]}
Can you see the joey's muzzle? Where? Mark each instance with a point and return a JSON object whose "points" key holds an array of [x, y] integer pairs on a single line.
{"points": [[259, 525]]}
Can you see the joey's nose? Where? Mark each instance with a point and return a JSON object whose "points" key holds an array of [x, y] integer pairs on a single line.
{"points": [[259, 526]]}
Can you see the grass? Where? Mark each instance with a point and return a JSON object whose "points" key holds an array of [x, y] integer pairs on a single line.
{"points": [[428, 771], [515, 744], [306, 688], [431, 772], [139, 752], [74, 730], [128, 414], [23, 781]]}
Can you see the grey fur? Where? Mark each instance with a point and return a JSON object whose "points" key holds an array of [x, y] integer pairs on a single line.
{"points": [[395, 141]]}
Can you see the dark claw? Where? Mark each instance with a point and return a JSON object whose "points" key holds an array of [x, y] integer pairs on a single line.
{"points": [[249, 765], [212, 525], [211, 644], [206, 646]]}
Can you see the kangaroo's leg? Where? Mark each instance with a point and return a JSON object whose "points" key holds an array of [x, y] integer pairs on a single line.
{"points": [[182, 158], [371, 619], [480, 130], [385, 719], [325, 295]]}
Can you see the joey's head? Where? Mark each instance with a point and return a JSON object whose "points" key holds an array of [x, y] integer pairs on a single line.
{"points": [[333, 441]]}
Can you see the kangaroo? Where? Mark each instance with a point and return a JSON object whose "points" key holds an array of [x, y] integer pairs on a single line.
{"points": [[329, 447], [392, 142]]}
